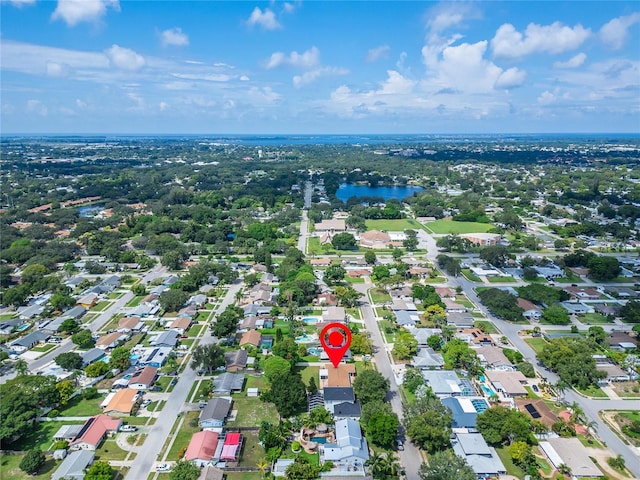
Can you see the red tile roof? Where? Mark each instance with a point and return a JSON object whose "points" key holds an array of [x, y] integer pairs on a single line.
{"points": [[95, 428], [202, 445]]}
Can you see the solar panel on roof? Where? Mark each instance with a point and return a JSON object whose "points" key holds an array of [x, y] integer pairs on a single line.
{"points": [[532, 411]]}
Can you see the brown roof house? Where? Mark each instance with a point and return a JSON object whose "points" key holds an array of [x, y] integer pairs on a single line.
{"points": [[143, 379], [375, 239], [342, 376], [236, 360], [122, 403], [331, 225], [509, 383], [531, 312], [251, 337]]}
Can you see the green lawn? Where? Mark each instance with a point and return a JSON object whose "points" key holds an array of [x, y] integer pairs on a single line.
{"points": [[183, 437], [44, 348], [9, 468], [8, 316], [101, 306], [451, 227], [384, 325], [80, 407], [379, 295], [486, 326], [307, 372], [354, 312], [135, 301], [252, 411], [594, 319], [536, 343], [501, 279], [109, 450], [512, 469], [40, 437], [469, 275], [252, 451], [593, 392], [399, 225], [242, 476], [134, 340], [195, 330]]}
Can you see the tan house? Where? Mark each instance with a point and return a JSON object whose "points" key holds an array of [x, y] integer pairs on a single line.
{"points": [[375, 239], [342, 376], [251, 337], [331, 225], [482, 239], [110, 340], [180, 325], [88, 301], [122, 403]]}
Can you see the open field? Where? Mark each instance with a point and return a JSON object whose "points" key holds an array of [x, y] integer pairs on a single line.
{"points": [[451, 227], [399, 225]]}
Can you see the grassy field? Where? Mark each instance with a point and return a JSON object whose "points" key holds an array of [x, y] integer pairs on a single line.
{"points": [[451, 227], [195, 330], [512, 469], [243, 476], [393, 225], [252, 451], [135, 301], [595, 392], [79, 407], [183, 437], [109, 450], [536, 343], [501, 279], [594, 319], [379, 295], [486, 326], [40, 437], [9, 469], [252, 411], [101, 306], [469, 275]]}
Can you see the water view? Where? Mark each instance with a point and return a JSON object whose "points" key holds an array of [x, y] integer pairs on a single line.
{"points": [[347, 190]]}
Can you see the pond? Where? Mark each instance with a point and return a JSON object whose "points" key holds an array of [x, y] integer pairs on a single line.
{"points": [[348, 190], [90, 210]]}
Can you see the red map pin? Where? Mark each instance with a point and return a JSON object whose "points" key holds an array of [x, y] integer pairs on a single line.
{"points": [[335, 339]]}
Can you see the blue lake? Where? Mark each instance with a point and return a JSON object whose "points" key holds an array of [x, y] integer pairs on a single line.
{"points": [[347, 190]]}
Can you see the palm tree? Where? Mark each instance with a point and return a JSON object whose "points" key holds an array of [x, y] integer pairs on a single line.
{"points": [[592, 427], [564, 469], [392, 467], [262, 466], [576, 412], [21, 367], [376, 464], [561, 386]]}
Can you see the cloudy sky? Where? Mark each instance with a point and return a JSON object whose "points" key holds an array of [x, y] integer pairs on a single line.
{"points": [[110, 66]]}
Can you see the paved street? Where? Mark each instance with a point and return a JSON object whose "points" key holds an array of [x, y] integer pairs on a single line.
{"points": [[159, 432]]}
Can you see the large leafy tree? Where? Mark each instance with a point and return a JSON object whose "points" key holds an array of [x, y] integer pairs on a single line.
{"points": [[344, 241], [458, 354], [369, 386], [496, 255], [100, 470], [572, 360], [445, 465], [227, 321], [69, 361], [173, 300], [274, 366], [347, 295], [382, 429], [120, 358], [288, 393], [83, 339], [22, 401], [184, 470], [32, 461], [556, 315], [207, 357], [500, 425], [630, 312], [428, 423], [334, 274]]}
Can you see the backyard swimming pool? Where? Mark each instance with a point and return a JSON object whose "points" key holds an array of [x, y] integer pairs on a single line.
{"points": [[319, 439], [313, 351], [23, 327], [310, 320], [488, 391]]}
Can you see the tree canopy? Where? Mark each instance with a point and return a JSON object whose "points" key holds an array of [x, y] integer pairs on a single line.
{"points": [[207, 357], [370, 385]]}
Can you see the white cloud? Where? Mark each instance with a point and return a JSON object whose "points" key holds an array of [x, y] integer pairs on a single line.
{"points": [[174, 36], [163, 106], [20, 3], [81, 103], [73, 12], [209, 77], [288, 7], [308, 59], [37, 107], [55, 69], [573, 62], [312, 75], [510, 78], [124, 58], [555, 38], [267, 19], [244, 78], [377, 53], [614, 33]]}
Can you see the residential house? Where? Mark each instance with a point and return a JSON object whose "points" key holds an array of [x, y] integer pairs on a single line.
{"points": [[334, 314], [202, 448], [460, 320], [341, 402], [531, 312], [8, 326], [493, 357], [198, 300], [342, 376], [577, 308], [607, 310], [88, 301], [180, 325], [215, 412], [170, 280], [236, 360], [54, 325], [406, 318], [450, 306], [130, 324], [427, 359], [210, 472], [153, 356], [326, 299], [320, 262], [189, 311], [122, 403], [622, 341], [509, 383], [350, 451], [331, 225], [570, 452], [475, 336], [29, 341], [482, 458], [228, 383], [537, 410], [94, 431], [399, 304], [67, 432], [74, 465], [255, 310], [27, 313], [113, 281], [482, 239], [167, 338], [111, 340], [581, 293], [465, 410], [143, 379], [251, 337], [375, 239], [91, 356], [422, 334], [443, 383], [446, 292]]}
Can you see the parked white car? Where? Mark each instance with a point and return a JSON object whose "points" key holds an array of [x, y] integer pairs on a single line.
{"points": [[163, 467], [128, 428]]}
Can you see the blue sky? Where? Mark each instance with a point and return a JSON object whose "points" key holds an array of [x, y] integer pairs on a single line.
{"points": [[109, 66]]}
